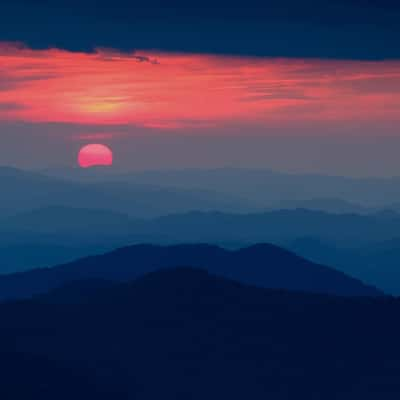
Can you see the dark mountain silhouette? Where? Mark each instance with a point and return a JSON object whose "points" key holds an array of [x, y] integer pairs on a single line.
{"points": [[30, 377], [262, 265], [182, 333], [43, 252]]}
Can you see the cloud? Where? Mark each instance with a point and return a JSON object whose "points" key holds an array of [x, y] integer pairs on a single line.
{"points": [[97, 136], [12, 81], [114, 55], [10, 107], [146, 59], [181, 91], [334, 29]]}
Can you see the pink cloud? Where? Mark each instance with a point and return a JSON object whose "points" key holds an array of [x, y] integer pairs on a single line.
{"points": [[175, 91]]}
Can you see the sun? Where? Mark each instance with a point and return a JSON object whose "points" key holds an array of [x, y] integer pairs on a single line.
{"points": [[95, 154]]}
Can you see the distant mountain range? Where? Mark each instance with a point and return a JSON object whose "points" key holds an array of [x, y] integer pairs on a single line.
{"points": [[152, 193], [24, 191], [183, 333], [80, 224], [262, 265], [260, 187]]}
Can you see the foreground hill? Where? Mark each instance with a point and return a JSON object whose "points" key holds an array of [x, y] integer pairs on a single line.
{"points": [[30, 377], [263, 265], [183, 333]]}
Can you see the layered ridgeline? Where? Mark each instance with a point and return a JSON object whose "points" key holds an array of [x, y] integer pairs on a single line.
{"points": [[263, 187], [285, 224], [25, 191], [47, 220], [363, 246], [155, 193], [262, 265], [183, 333]]}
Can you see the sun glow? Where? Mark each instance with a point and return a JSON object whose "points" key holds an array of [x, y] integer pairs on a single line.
{"points": [[88, 105]]}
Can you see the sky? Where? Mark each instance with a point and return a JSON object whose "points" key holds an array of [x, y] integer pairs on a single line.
{"points": [[310, 87]]}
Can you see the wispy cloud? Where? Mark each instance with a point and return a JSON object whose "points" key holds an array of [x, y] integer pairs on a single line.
{"points": [[10, 106], [97, 136], [169, 90]]}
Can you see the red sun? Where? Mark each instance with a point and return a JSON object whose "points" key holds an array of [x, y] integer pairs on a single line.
{"points": [[95, 154]]}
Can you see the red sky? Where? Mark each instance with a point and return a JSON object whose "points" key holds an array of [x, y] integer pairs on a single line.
{"points": [[173, 91]]}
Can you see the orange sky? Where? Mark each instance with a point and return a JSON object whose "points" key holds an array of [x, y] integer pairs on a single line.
{"points": [[164, 90]]}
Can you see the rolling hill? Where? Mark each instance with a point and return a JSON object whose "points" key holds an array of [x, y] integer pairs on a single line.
{"points": [[184, 333], [262, 265]]}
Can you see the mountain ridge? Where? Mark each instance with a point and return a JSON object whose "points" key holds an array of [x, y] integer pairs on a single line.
{"points": [[204, 336], [264, 265]]}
